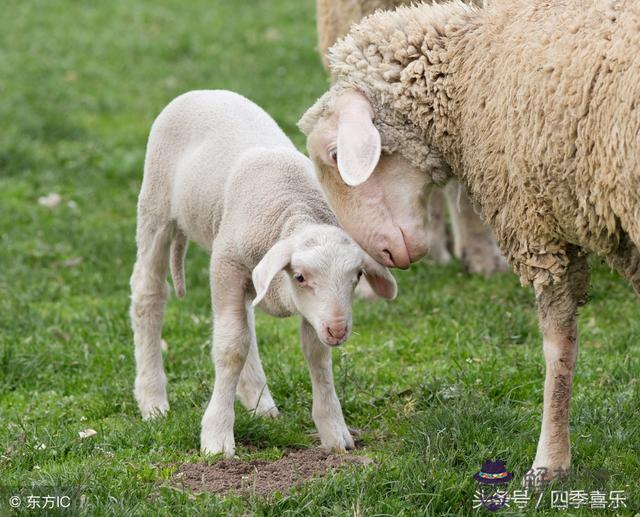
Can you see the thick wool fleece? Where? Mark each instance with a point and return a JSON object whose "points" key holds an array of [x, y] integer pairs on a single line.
{"points": [[534, 105], [335, 18]]}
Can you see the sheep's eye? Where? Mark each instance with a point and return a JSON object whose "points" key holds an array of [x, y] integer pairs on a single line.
{"points": [[360, 274], [299, 278], [333, 155]]}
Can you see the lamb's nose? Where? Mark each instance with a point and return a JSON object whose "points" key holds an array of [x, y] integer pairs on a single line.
{"points": [[337, 331]]}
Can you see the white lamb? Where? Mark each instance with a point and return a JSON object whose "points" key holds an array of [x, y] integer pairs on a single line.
{"points": [[219, 171]]}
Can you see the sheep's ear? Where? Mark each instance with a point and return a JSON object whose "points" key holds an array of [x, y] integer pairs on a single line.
{"points": [[358, 141], [275, 260], [380, 279]]}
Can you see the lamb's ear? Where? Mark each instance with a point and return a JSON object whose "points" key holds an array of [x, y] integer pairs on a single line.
{"points": [[275, 260], [380, 279], [358, 140]]}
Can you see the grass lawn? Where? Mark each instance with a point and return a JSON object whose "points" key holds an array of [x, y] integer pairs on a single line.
{"points": [[448, 375]]}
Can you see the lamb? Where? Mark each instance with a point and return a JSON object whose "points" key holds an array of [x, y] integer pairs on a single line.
{"points": [[473, 242], [534, 107], [219, 171]]}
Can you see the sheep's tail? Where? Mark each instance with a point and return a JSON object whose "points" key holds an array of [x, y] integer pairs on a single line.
{"points": [[178, 252]]}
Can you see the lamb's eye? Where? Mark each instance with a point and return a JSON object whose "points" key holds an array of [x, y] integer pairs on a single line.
{"points": [[333, 155], [360, 274], [299, 278]]}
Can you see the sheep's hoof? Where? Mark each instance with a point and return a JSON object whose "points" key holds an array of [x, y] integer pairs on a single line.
{"points": [[440, 256], [537, 477], [484, 264]]}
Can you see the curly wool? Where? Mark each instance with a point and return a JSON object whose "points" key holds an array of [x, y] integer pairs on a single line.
{"points": [[335, 17], [536, 107]]}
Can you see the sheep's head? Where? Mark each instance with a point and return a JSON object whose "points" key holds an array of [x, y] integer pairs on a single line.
{"points": [[323, 266], [375, 173]]}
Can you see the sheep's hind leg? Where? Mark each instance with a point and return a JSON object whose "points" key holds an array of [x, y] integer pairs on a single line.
{"points": [[326, 410], [149, 292], [557, 312], [437, 228], [253, 391], [626, 261], [231, 343], [473, 241]]}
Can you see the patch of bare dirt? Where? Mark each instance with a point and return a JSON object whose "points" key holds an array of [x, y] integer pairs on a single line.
{"points": [[260, 476]]}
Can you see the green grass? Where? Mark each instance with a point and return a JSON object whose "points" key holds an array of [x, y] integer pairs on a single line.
{"points": [[446, 376]]}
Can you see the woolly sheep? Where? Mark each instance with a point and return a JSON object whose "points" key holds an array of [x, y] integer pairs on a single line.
{"points": [[473, 242], [534, 107], [219, 171]]}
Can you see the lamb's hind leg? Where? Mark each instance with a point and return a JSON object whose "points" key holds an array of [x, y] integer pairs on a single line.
{"points": [[253, 391], [149, 292], [557, 312]]}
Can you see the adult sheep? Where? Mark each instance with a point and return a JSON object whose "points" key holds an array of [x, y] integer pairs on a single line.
{"points": [[473, 242], [535, 108]]}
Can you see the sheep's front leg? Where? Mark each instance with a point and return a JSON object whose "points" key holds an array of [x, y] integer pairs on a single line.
{"points": [[326, 410], [253, 391], [553, 456], [557, 309], [231, 342]]}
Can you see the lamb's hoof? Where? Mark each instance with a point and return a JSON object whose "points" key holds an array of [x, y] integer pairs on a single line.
{"points": [[340, 442], [268, 412], [155, 412], [218, 444], [151, 409], [151, 398]]}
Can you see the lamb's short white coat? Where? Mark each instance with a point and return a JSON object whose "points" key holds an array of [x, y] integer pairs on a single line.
{"points": [[219, 171]]}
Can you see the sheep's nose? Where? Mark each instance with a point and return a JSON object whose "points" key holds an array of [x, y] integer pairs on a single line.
{"points": [[337, 330]]}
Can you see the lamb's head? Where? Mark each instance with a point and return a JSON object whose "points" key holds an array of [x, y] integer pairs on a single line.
{"points": [[322, 265], [375, 173]]}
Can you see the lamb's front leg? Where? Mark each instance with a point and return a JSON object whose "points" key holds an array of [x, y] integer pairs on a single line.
{"points": [[253, 391], [557, 309], [231, 341], [326, 411]]}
